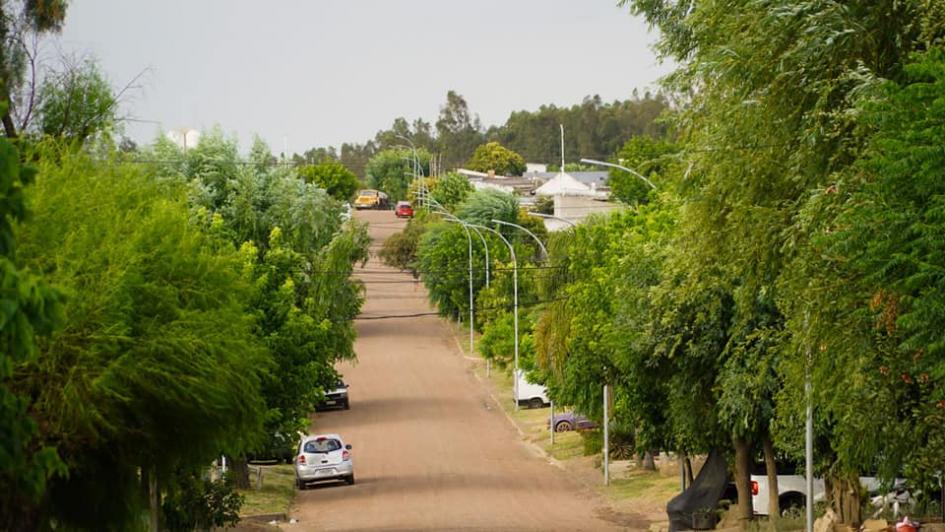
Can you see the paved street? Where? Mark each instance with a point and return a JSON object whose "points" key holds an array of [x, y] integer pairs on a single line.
{"points": [[431, 449]]}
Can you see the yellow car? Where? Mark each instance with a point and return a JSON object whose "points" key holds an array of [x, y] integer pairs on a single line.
{"points": [[371, 199]]}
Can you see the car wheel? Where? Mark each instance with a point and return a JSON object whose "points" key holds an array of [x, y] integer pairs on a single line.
{"points": [[536, 402], [562, 426], [299, 483], [350, 479], [347, 405], [792, 504]]}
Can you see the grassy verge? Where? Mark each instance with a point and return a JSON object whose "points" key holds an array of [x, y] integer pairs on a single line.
{"points": [[275, 495], [632, 490]]}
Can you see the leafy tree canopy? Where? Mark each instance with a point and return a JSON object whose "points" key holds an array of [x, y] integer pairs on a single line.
{"points": [[493, 157]]}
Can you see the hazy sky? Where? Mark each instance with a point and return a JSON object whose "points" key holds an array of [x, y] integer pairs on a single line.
{"points": [[317, 72]]}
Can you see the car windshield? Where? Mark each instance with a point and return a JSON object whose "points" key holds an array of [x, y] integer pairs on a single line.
{"points": [[368, 193], [322, 446]]}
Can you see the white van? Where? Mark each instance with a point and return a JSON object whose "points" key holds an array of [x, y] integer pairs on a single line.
{"points": [[531, 395]]}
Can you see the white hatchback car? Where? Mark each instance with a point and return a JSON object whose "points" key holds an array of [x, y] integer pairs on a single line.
{"points": [[323, 457]]}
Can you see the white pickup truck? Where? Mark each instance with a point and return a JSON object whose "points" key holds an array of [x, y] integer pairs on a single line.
{"points": [[792, 489], [529, 394]]}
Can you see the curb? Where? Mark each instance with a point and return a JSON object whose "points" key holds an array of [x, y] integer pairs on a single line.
{"points": [[264, 518]]}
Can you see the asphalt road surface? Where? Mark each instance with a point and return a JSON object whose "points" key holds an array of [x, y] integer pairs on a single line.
{"points": [[432, 451]]}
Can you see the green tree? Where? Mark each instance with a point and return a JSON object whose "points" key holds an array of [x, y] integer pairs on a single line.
{"points": [[646, 155], [18, 20], [77, 103], [458, 131], [391, 171], [157, 334], [493, 157], [772, 116], [338, 181], [29, 309], [485, 205], [450, 190]]}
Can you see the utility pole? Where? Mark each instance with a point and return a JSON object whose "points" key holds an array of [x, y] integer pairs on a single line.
{"points": [[606, 436], [562, 147]]}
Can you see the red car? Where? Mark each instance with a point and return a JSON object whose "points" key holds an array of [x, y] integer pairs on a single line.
{"points": [[403, 209]]}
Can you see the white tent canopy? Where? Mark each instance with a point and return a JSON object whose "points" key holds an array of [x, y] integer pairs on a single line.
{"points": [[562, 184]]}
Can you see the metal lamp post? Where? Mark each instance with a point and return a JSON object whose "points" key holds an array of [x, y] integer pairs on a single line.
{"points": [[514, 296], [472, 302], [619, 167], [550, 217]]}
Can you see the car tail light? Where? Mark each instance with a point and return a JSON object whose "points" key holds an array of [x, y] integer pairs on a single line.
{"points": [[754, 487], [302, 459], [346, 456]]}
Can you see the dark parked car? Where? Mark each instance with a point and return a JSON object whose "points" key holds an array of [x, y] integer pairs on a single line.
{"points": [[572, 421], [336, 398]]}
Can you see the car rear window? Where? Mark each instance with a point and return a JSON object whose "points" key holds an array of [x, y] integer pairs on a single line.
{"points": [[321, 446]]}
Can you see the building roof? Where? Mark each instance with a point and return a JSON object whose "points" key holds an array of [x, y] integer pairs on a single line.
{"points": [[562, 183]]}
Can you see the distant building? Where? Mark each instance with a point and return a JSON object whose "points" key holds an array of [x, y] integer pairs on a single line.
{"points": [[535, 168]]}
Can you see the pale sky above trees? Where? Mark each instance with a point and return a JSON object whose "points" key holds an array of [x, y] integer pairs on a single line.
{"points": [[314, 72]]}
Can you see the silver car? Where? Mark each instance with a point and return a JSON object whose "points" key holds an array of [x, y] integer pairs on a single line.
{"points": [[323, 457]]}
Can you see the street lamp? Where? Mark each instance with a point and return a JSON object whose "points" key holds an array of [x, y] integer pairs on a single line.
{"points": [[619, 167], [514, 296], [550, 217], [442, 210], [544, 250], [472, 312]]}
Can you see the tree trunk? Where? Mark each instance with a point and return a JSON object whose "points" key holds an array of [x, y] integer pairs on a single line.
{"points": [[9, 128], [648, 463], [846, 499], [743, 479], [154, 497], [772, 470], [687, 466], [239, 469]]}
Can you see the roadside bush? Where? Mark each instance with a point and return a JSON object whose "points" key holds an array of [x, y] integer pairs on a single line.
{"points": [[198, 503], [400, 250]]}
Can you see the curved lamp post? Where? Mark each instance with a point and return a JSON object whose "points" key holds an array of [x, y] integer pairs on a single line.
{"points": [[619, 167], [550, 217], [544, 250], [514, 296], [472, 310]]}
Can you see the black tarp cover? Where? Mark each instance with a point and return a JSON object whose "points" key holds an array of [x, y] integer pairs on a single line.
{"points": [[705, 492]]}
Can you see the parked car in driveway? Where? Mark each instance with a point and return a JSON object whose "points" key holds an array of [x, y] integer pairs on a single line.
{"points": [[792, 487], [530, 394], [572, 421], [335, 398], [403, 209], [323, 457]]}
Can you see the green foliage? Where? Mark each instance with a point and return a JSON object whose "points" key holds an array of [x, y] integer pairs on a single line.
{"points": [[485, 205], [29, 309], [593, 128], [77, 103], [298, 257], [870, 274], [450, 190], [493, 157], [648, 156], [156, 335], [458, 131], [391, 171], [198, 503], [400, 249], [334, 177]]}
